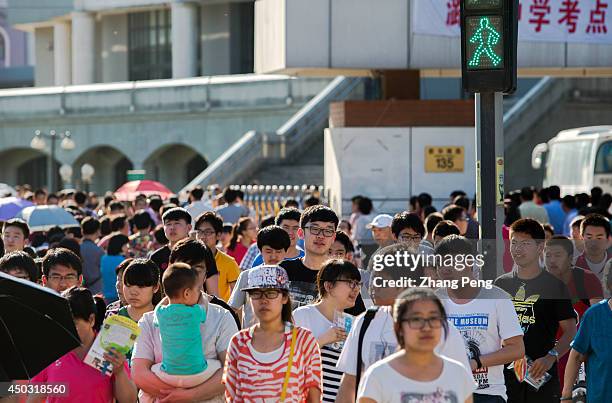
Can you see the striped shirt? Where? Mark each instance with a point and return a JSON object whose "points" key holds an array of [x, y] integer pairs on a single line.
{"points": [[312, 319], [331, 375], [247, 380]]}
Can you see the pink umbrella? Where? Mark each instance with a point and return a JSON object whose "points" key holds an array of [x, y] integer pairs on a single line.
{"points": [[129, 190]]}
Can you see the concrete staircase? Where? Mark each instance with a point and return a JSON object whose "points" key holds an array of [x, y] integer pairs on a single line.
{"points": [[306, 168]]}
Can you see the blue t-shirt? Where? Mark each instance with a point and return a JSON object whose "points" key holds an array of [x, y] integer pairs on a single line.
{"points": [[108, 264], [593, 339], [556, 215], [259, 259], [181, 340]]}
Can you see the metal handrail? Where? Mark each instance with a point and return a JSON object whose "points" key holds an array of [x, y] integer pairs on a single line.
{"points": [[544, 95], [147, 84], [314, 114], [227, 161], [523, 104], [247, 152]]}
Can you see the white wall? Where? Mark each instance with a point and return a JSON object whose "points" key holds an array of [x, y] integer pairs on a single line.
{"points": [[330, 34], [44, 72], [388, 165], [294, 36]]}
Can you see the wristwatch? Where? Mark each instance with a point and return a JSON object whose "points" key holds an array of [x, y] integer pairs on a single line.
{"points": [[554, 353]]}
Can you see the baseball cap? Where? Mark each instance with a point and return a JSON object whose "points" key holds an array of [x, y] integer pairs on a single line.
{"points": [[267, 276], [381, 221]]}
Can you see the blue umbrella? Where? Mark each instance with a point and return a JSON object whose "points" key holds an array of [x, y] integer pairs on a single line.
{"points": [[11, 206], [43, 218]]}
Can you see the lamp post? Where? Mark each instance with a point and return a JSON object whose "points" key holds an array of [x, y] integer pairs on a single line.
{"points": [[39, 143], [87, 173]]}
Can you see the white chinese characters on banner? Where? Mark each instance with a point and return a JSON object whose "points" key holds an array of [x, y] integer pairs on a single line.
{"points": [[577, 21]]}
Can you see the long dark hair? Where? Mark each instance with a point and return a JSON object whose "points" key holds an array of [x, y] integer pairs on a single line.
{"points": [[83, 304], [238, 229], [406, 299], [287, 312]]}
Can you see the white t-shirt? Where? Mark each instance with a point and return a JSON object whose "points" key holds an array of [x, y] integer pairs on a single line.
{"points": [[309, 317], [384, 384], [598, 268], [240, 299], [485, 322], [379, 342], [216, 333]]}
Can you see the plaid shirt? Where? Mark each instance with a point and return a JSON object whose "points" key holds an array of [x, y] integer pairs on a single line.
{"points": [[249, 257]]}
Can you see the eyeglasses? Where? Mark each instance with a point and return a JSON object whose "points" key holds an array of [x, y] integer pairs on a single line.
{"points": [[208, 232], [327, 233], [409, 238], [269, 294], [352, 283], [419, 323], [67, 277]]}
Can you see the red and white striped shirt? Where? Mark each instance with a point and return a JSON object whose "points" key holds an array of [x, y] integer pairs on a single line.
{"points": [[248, 380]]}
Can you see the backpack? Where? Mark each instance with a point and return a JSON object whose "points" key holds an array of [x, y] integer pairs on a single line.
{"points": [[367, 319]]}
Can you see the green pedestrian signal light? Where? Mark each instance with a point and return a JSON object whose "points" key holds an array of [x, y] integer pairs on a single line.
{"points": [[489, 30], [486, 43]]}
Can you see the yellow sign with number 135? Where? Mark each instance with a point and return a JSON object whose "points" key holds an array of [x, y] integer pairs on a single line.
{"points": [[444, 158]]}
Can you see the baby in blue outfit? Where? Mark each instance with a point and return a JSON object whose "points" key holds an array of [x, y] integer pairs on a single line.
{"points": [[183, 362]]}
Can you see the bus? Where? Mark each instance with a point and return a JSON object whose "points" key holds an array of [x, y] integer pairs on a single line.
{"points": [[577, 159]]}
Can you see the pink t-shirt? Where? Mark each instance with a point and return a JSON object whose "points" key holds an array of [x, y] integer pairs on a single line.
{"points": [[85, 383], [238, 253]]}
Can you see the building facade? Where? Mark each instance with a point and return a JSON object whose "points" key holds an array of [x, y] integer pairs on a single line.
{"points": [[81, 42], [172, 129], [16, 54]]}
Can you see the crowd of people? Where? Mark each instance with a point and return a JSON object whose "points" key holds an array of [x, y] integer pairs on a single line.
{"points": [[296, 307]]}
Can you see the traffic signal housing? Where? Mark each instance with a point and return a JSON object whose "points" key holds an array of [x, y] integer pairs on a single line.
{"points": [[489, 34]]}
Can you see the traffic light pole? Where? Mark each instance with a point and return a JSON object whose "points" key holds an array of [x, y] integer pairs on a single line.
{"points": [[490, 192]]}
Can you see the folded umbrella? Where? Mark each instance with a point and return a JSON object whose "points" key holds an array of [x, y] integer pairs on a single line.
{"points": [[129, 190], [36, 328], [11, 206], [43, 218]]}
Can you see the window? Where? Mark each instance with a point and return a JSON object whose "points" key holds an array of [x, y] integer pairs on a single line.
{"points": [[603, 161], [150, 45], [569, 163]]}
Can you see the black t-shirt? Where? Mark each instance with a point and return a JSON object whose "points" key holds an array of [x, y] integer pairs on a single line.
{"points": [[223, 304], [303, 286], [540, 303], [161, 257]]}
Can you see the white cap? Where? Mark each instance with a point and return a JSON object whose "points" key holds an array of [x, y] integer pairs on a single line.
{"points": [[381, 221]]}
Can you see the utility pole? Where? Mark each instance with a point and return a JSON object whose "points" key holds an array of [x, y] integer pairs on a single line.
{"points": [[489, 32]]}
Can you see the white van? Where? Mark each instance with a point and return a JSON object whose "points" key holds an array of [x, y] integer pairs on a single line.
{"points": [[577, 159]]}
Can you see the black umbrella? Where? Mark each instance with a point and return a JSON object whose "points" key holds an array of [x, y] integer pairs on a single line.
{"points": [[36, 328]]}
